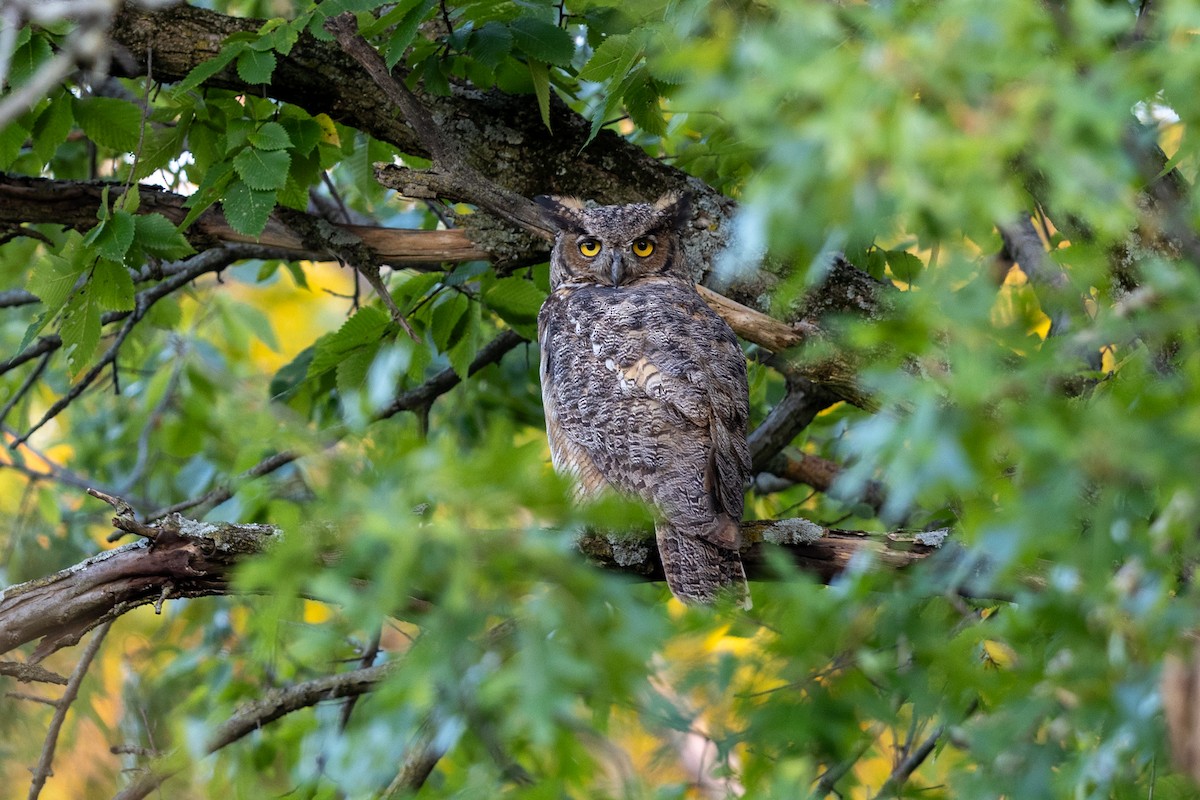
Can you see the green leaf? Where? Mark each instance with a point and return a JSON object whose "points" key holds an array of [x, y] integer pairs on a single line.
{"points": [[904, 265], [291, 376], [642, 103], [26, 59], [263, 169], [271, 136], [112, 286], [491, 44], [206, 69], [158, 236], [515, 299], [247, 209], [462, 353], [406, 31], [612, 59], [80, 330], [12, 138], [112, 237], [543, 41], [353, 368], [109, 122], [52, 281], [159, 148], [255, 66], [448, 320], [540, 75], [52, 126], [366, 328]]}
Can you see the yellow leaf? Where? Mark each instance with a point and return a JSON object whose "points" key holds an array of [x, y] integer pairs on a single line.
{"points": [[329, 134], [315, 613], [999, 654]]}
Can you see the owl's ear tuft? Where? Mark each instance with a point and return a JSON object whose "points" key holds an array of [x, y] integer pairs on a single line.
{"points": [[564, 213], [675, 208]]}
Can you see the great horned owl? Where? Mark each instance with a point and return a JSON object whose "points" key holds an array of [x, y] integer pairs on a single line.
{"points": [[644, 386]]}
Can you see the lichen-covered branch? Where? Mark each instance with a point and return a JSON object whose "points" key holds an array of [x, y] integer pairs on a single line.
{"points": [[185, 559], [823, 552]]}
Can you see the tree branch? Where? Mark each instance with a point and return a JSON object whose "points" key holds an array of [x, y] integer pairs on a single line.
{"points": [[193, 559], [43, 769], [74, 204]]}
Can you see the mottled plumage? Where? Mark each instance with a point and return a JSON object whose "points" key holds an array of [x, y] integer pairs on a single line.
{"points": [[644, 385]]}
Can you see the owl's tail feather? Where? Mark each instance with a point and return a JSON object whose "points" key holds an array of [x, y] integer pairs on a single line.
{"points": [[698, 571]]}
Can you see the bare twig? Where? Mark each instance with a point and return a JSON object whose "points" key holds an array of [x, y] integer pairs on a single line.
{"points": [[43, 769], [27, 673], [220, 494], [909, 764], [424, 395], [30, 380]]}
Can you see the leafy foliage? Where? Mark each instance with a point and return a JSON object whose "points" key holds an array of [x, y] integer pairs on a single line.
{"points": [[909, 136]]}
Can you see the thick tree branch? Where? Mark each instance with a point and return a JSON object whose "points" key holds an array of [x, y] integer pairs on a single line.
{"points": [[185, 559], [74, 204], [820, 551], [795, 412]]}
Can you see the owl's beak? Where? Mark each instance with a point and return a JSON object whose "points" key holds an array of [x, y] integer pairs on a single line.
{"points": [[618, 269]]}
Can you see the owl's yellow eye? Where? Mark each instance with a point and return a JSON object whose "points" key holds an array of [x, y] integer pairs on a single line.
{"points": [[589, 247], [643, 248]]}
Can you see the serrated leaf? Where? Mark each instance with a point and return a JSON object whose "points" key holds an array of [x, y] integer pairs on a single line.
{"points": [[491, 44], [540, 75], [80, 330], [462, 353], [303, 133], [52, 126], [247, 209], [213, 186], [291, 376], [112, 237], [27, 57], [160, 146], [517, 302], [271, 136], [543, 41], [448, 320], [112, 286], [353, 368], [262, 169], [642, 103], [12, 138], [612, 59], [206, 69], [158, 236], [255, 66], [366, 328], [515, 298], [53, 279], [109, 122], [405, 32], [415, 288]]}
